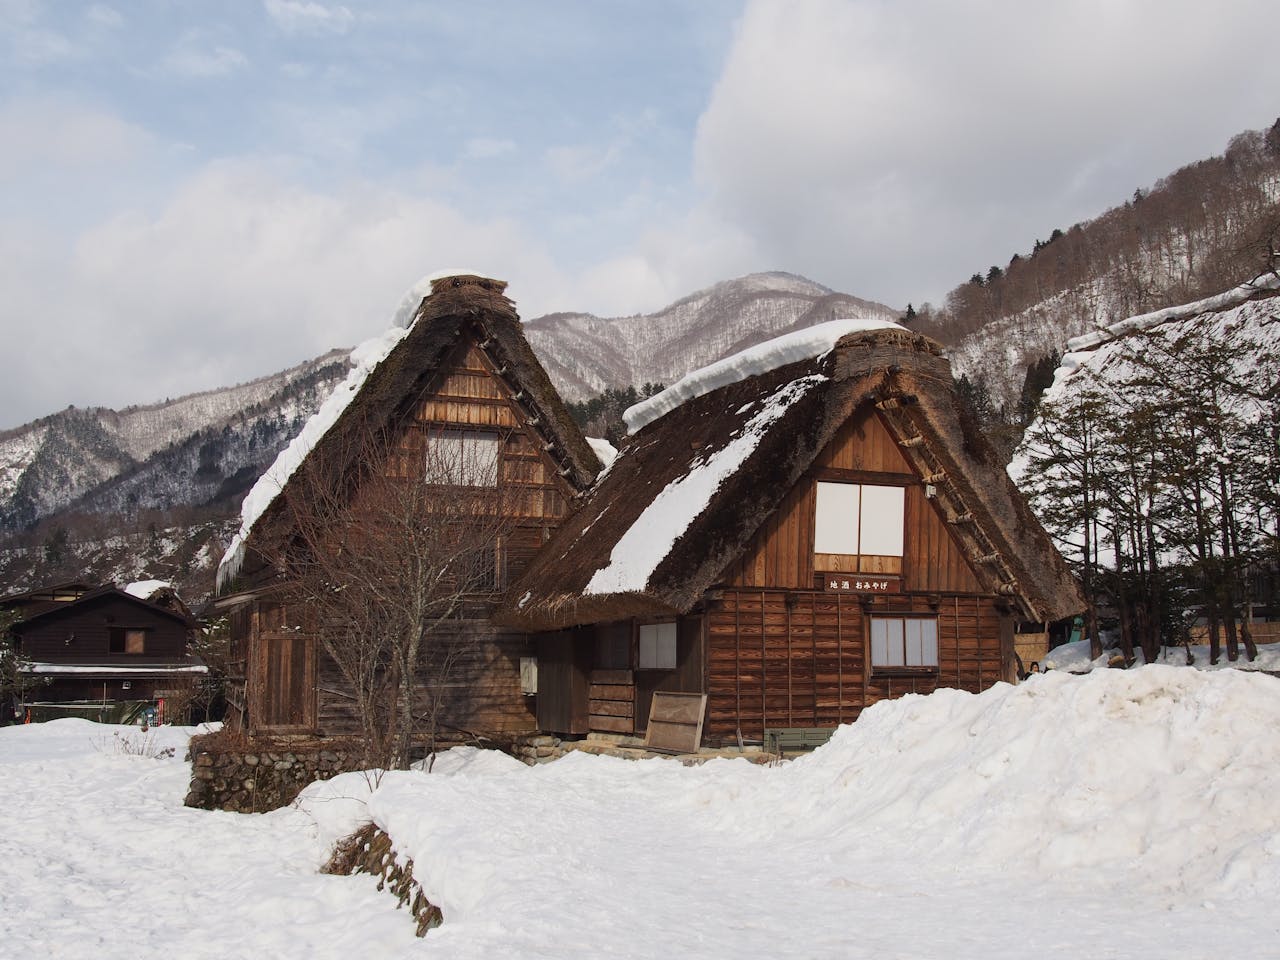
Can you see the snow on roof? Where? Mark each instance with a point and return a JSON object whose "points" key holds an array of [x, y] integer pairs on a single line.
{"points": [[407, 309], [605, 451], [364, 359], [143, 589], [649, 539], [805, 344], [43, 668], [1079, 348]]}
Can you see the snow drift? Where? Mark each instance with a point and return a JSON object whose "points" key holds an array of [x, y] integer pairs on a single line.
{"points": [[1157, 782]]}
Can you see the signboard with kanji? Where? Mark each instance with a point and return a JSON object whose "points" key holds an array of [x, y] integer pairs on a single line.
{"points": [[848, 583]]}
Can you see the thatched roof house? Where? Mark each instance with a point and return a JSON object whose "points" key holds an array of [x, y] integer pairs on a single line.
{"points": [[718, 516], [398, 369], [459, 373], [648, 542]]}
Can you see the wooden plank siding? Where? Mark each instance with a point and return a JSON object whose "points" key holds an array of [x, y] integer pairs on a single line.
{"points": [[467, 392], [781, 652], [781, 554], [790, 658], [481, 698]]}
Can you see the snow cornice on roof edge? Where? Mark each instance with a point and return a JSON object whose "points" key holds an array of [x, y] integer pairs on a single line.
{"points": [[1079, 348], [808, 343], [364, 358]]}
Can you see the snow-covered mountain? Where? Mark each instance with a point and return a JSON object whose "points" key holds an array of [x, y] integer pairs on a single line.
{"points": [[115, 490], [585, 354], [197, 450]]}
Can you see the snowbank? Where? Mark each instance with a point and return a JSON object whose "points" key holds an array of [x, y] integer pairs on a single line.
{"points": [[1075, 656], [1148, 790], [1123, 814], [803, 344]]}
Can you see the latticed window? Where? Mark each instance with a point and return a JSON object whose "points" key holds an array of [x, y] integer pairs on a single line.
{"points": [[462, 458], [904, 642]]}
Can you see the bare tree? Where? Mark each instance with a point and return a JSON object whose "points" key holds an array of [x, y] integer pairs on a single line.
{"points": [[384, 558]]}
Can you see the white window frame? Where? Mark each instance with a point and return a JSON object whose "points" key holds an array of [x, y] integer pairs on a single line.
{"points": [[656, 647]]}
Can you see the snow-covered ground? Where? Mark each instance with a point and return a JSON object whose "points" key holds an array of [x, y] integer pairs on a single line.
{"points": [[1121, 814], [1075, 656]]}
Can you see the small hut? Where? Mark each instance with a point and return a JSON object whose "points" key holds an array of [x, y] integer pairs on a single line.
{"points": [[103, 652], [796, 532]]}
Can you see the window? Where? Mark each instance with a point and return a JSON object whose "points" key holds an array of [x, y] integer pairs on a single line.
{"points": [[126, 640], [462, 458], [904, 642], [858, 527], [657, 646]]}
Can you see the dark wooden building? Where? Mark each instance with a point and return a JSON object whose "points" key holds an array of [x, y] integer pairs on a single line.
{"points": [[796, 544], [462, 376], [101, 652]]}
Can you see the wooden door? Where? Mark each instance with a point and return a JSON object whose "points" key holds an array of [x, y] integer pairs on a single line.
{"points": [[562, 682], [687, 677], [284, 691]]}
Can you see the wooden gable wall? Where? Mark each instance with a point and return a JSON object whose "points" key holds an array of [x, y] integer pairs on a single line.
{"points": [[469, 393], [781, 553], [291, 683]]}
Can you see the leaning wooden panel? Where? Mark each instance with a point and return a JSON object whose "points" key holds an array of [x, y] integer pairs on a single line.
{"points": [[675, 721]]}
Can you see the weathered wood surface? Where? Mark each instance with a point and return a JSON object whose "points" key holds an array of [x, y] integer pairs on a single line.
{"points": [[612, 700], [799, 658], [781, 554], [675, 721]]}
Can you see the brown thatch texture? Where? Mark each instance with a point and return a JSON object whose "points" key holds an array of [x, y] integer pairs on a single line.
{"points": [[456, 305], [864, 368]]}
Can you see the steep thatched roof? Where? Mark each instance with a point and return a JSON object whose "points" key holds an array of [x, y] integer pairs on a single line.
{"points": [[457, 305], [771, 428]]}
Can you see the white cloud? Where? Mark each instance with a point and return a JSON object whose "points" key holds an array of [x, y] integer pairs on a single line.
{"points": [[104, 16], [582, 161], [189, 59], [40, 47], [44, 136], [298, 16], [238, 272], [892, 149], [486, 148]]}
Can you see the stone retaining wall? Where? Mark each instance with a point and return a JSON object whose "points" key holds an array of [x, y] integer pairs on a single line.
{"points": [[537, 748], [368, 850], [254, 780]]}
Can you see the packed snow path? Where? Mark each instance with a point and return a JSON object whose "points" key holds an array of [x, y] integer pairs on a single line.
{"points": [[1118, 815]]}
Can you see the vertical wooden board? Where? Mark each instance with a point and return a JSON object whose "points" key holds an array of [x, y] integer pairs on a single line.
{"points": [[864, 443], [938, 562]]}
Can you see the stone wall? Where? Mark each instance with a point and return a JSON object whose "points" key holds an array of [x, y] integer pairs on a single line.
{"points": [[537, 748], [248, 778], [368, 850]]}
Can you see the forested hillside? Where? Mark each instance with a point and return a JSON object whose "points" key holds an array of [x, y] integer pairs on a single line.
{"points": [[1200, 230]]}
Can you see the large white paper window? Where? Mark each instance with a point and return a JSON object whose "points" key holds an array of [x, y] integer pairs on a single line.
{"points": [[853, 518], [836, 526], [882, 521], [904, 642], [657, 646], [462, 458]]}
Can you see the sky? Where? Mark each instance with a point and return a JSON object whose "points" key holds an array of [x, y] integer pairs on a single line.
{"points": [[196, 194]]}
